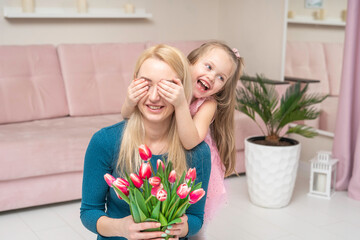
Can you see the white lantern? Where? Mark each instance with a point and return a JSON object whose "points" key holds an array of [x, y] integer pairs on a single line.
{"points": [[323, 175]]}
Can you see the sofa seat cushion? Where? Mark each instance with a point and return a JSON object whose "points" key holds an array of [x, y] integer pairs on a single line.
{"points": [[32, 87], [61, 142]]}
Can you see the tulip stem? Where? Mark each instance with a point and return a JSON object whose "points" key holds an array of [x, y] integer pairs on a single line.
{"points": [[147, 200]]}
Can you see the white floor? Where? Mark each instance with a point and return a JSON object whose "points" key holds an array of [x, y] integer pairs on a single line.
{"points": [[306, 218]]}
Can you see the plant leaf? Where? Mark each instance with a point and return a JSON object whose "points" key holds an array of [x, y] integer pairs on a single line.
{"points": [[176, 220], [134, 212], [163, 220], [155, 213], [122, 195], [140, 201]]}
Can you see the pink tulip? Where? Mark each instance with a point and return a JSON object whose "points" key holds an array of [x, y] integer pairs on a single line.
{"points": [[191, 174], [122, 185], [136, 180], [155, 189], [183, 190], [144, 152], [155, 181], [123, 182], [161, 195], [109, 179], [158, 163], [145, 171], [196, 195], [172, 176]]}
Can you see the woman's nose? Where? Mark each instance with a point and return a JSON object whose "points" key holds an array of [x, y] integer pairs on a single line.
{"points": [[153, 94]]}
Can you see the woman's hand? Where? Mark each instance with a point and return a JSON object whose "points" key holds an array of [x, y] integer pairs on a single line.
{"points": [[136, 90], [179, 229], [133, 231], [172, 91]]}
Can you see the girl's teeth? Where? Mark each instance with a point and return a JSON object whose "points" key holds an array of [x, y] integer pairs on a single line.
{"points": [[204, 84]]}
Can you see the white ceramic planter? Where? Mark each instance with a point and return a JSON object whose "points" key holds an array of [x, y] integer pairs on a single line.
{"points": [[271, 173]]}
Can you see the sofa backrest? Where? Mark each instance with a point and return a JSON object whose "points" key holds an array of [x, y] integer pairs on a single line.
{"points": [[316, 60], [96, 76], [31, 85]]}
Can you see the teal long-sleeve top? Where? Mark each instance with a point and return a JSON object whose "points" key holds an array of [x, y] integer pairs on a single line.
{"points": [[98, 199]]}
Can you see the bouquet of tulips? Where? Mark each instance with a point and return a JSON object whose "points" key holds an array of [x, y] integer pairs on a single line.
{"points": [[157, 197]]}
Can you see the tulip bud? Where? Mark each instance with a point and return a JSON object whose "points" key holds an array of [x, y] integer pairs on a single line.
{"points": [[155, 181], [136, 180], [109, 179], [144, 152], [158, 163], [123, 181], [161, 195], [145, 171], [183, 190], [172, 176], [122, 185], [191, 174], [155, 189], [196, 195]]}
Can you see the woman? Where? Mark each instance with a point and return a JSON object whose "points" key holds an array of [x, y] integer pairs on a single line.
{"points": [[114, 150]]}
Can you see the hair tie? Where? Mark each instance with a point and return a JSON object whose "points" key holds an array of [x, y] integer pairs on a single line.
{"points": [[236, 52]]}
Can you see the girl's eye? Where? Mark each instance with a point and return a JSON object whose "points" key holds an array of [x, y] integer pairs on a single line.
{"points": [[221, 78], [208, 66]]}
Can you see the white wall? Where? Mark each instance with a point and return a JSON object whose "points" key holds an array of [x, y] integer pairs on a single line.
{"points": [[317, 33], [172, 20], [256, 28]]}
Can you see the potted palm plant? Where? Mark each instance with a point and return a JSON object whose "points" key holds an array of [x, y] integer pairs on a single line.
{"points": [[272, 159]]}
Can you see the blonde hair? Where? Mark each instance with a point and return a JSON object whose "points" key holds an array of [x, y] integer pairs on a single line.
{"points": [[134, 132], [222, 128]]}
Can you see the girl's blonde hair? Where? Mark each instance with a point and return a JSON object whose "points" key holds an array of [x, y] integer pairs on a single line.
{"points": [[222, 128], [134, 132]]}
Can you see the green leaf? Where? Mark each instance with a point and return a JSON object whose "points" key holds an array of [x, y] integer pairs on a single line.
{"points": [[176, 220], [302, 130], [181, 210], [172, 209], [156, 212], [129, 180], [122, 195], [163, 220], [140, 201], [134, 212]]}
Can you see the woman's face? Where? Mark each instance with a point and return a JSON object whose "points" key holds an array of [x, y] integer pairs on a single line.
{"points": [[152, 106]]}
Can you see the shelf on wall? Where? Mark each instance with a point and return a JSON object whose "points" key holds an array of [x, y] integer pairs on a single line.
{"points": [[16, 12], [310, 20]]}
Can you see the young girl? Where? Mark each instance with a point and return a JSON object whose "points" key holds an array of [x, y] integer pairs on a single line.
{"points": [[215, 70]]}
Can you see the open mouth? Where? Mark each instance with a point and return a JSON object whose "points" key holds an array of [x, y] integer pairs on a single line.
{"points": [[152, 107], [203, 85]]}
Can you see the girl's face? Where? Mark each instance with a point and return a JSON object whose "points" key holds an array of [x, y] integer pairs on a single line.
{"points": [[210, 73], [152, 106]]}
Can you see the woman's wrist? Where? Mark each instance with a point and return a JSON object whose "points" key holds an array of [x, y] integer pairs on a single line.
{"points": [[109, 227]]}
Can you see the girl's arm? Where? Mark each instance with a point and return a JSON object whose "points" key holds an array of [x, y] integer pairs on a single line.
{"points": [[136, 90], [192, 131]]}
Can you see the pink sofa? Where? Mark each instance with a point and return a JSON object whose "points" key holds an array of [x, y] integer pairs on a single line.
{"points": [[319, 61], [52, 99]]}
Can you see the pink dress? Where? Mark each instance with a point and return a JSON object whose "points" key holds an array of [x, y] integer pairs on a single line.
{"points": [[216, 194]]}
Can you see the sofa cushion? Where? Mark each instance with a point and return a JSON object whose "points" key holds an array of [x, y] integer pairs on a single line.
{"points": [[97, 75], [48, 146], [31, 84], [307, 60]]}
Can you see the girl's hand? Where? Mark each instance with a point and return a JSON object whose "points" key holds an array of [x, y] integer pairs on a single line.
{"points": [[137, 90], [133, 231], [172, 91], [179, 229]]}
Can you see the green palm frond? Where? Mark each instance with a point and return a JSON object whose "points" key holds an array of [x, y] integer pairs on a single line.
{"points": [[303, 130], [256, 97]]}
